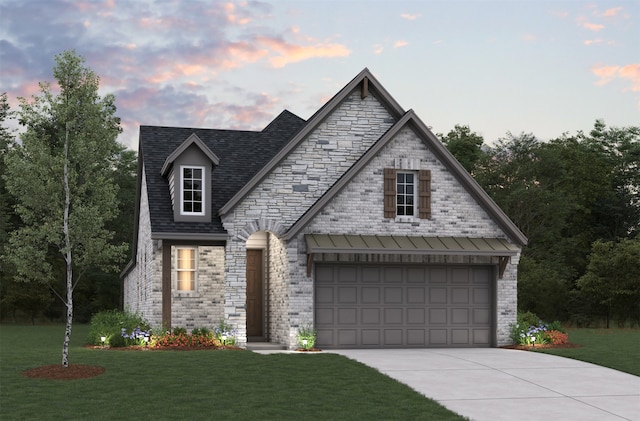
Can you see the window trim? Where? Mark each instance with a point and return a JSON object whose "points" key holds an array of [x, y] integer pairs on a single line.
{"points": [[414, 194], [203, 190], [422, 193], [194, 270]]}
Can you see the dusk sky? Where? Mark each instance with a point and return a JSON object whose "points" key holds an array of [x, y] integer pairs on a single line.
{"points": [[541, 67]]}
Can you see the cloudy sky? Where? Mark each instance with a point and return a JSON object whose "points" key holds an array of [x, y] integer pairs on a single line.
{"points": [[541, 67]]}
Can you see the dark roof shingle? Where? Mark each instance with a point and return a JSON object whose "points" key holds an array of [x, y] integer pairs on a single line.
{"points": [[242, 154]]}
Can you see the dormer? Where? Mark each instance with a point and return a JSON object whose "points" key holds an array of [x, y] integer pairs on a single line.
{"points": [[188, 170]]}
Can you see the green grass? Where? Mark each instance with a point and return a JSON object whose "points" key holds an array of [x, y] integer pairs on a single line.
{"points": [[159, 385], [613, 348]]}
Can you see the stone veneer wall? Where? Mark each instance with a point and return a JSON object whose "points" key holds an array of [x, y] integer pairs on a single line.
{"points": [[358, 209], [290, 189], [278, 291], [142, 285], [203, 307]]}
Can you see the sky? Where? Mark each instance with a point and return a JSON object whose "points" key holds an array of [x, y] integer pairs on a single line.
{"points": [[518, 66]]}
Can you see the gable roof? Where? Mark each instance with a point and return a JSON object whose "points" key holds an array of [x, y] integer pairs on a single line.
{"points": [[410, 119], [366, 81], [239, 155], [191, 140]]}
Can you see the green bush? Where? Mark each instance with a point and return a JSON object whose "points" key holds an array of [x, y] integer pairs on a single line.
{"points": [[111, 323]]}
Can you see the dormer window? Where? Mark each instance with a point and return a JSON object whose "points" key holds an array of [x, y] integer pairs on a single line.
{"points": [[193, 190]]}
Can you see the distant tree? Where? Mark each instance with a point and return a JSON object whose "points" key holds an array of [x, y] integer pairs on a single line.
{"points": [[465, 145], [61, 179], [612, 280]]}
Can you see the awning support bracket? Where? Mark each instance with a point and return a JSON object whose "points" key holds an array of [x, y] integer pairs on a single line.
{"points": [[503, 265], [309, 264]]}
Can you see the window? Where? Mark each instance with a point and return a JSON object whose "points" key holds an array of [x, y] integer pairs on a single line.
{"points": [[405, 194], [186, 268], [192, 192]]}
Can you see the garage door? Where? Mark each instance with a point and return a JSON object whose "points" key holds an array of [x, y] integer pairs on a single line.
{"points": [[377, 306]]}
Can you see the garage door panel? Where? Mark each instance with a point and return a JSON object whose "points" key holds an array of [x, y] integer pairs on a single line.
{"points": [[347, 316], [371, 337], [437, 295], [347, 337], [324, 316], [416, 337], [459, 296], [437, 337], [371, 316], [437, 275], [347, 295], [481, 337], [370, 295], [393, 337], [416, 316], [392, 316], [379, 305], [459, 336], [324, 295], [392, 295], [416, 275], [416, 295], [481, 296], [480, 316], [371, 274], [437, 316], [460, 316], [392, 275]]}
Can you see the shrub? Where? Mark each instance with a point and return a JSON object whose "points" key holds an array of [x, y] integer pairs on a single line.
{"points": [[557, 338], [110, 323], [306, 337]]}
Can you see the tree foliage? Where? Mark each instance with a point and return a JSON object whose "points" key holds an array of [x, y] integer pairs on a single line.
{"points": [[565, 195], [612, 281], [61, 178], [465, 145]]}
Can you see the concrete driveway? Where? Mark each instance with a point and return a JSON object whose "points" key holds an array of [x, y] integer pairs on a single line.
{"points": [[502, 384]]}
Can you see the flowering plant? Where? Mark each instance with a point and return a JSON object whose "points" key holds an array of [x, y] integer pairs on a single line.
{"points": [[225, 333], [136, 337], [557, 338]]}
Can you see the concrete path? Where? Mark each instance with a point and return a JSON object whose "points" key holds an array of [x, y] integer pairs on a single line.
{"points": [[501, 384]]}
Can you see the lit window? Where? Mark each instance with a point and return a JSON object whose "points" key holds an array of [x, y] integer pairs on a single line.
{"points": [[186, 269], [193, 188], [405, 194]]}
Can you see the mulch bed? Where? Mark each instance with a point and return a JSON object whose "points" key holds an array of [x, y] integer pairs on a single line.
{"points": [[58, 372], [545, 346]]}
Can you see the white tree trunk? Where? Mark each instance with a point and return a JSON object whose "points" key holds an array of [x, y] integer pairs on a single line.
{"points": [[67, 253]]}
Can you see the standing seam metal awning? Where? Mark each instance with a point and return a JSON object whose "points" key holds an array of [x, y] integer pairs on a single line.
{"points": [[392, 244]]}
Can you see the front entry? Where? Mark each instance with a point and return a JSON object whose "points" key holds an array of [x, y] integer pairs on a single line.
{"points": [[255, 323]]}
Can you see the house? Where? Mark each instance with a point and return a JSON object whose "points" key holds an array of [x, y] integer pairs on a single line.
{"points": [[358, 222]]}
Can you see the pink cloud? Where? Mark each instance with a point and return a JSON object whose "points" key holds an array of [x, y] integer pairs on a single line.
{"points": [[611, 12], [409, 16], [630, 72], [592, 26], [592, 41], [378, 49], [292, 53], [529, 38], [400, 44]]}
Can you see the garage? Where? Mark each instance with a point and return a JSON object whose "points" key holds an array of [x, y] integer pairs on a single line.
{"points": [[376, 306]]}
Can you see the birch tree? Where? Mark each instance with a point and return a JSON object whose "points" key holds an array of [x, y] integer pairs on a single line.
{"points": [[59, 174]]}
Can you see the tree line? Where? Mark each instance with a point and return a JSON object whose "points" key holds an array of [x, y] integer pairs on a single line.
{"points": [[577, 198]]}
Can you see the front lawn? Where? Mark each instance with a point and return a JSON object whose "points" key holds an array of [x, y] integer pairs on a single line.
{"points": [[196, 384], [614, 348]]}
